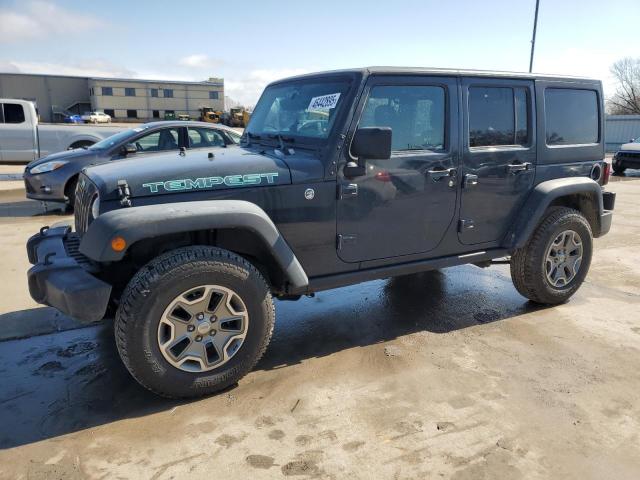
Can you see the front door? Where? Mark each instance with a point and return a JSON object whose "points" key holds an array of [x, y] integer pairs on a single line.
{"points": [[498, 156], [403, 205]]}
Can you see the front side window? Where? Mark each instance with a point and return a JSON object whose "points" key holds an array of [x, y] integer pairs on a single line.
{"points": [[571, 116], [205, 137], [110, 112], [498, 116], [13, 113], [302, 109], [107, 91], [168, 93], [161, 140], [415, 114]]}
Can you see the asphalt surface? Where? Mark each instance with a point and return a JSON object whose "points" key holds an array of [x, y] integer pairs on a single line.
{"points": [[447, 374]]}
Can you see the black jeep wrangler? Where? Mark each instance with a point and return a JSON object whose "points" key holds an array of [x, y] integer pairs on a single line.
{"points": [[341, 177]]}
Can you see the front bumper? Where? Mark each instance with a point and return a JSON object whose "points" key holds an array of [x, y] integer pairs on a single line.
{"points": [[628, 159], [61, 276], [46, 187]]}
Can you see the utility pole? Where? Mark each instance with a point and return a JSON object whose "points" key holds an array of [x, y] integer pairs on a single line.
{"points": [[533, 40]]}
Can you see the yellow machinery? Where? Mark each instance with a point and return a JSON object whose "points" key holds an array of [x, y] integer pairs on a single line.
{"points": [[208, 114], [238, 117]]}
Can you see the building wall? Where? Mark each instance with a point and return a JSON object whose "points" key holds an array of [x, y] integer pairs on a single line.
{"points": [[620, 129], [187, 97], [56, 93], [50, 92]]}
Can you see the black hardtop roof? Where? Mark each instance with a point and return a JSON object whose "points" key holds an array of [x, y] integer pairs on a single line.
{"points": [[441, 72]]}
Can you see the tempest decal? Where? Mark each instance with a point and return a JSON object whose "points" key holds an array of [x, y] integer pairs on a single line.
{"points": [[209, 182]]}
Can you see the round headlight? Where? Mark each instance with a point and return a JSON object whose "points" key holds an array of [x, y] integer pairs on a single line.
{"points": [[95, 207]]}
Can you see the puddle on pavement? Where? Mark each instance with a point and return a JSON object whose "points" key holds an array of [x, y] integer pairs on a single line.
{"points": [[69, 381]]}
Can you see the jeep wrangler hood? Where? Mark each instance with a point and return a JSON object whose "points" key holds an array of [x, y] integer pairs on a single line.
{"points": [[159, 174]]}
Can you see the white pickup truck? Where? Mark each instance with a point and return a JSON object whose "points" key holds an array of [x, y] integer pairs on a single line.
{"points": [[23, 140]]}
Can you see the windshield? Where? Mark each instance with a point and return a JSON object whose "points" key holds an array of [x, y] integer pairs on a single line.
{"points": [[301, 109], [114, 139]]}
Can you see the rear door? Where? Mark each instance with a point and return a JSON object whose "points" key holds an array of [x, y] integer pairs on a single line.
{"points": [[17, 139], [499, 155], [402, 205]]}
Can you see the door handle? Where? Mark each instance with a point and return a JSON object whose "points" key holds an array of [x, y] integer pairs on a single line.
{"points": [[470, 180], [518, 167], [437, 175]]}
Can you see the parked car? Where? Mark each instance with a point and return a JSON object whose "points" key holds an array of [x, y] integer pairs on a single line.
{"points": [[189, 251], [53, 178], [23, 139], [96, 117], [66, 116], [628, 156]]}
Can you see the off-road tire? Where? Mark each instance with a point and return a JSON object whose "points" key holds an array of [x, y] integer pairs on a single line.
{"points": [[618, 169], [528, 263], [158, 283], [70, 192]]}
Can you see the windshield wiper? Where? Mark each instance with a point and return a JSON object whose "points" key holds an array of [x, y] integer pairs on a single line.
{"points": [[281, 139]]}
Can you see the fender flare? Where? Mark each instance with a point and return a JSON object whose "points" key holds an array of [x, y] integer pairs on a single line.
{"points": [[539, 200], [138, 223]]}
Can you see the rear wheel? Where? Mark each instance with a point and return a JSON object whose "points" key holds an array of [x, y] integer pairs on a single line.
{"points": [[194, 321], [555, 261]]}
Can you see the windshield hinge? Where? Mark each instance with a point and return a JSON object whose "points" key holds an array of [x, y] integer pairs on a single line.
{"points": [[124, 193]]}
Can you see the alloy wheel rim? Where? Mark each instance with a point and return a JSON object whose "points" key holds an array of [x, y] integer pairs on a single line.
{"points": [[203, 328], [563, 259]]}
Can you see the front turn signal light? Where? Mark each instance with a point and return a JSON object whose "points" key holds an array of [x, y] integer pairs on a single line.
{"points": [[118, 244]]}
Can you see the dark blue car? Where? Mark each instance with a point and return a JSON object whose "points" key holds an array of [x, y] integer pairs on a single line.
{"points": [[53, 178]]}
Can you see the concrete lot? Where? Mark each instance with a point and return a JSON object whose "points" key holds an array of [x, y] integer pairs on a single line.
{"points": [[447, 374]]}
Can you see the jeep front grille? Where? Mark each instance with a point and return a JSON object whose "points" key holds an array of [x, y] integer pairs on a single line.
{"points": [[85, 192]]}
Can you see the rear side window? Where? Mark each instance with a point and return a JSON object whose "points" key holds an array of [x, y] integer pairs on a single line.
{"points": [[415, 114], [13, 113], [498, 116], [571, 116]]}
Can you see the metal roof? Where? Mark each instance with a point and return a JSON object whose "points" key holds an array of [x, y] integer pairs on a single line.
{"points": [[113, 79]]}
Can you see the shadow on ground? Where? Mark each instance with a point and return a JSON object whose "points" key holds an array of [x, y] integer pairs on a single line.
{"points": [[64, 382]]}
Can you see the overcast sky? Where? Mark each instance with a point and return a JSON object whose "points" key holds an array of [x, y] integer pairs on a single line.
{"points": [[250, 43]]}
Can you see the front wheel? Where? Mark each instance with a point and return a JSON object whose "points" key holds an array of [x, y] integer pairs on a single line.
{"points": [[194, 321], [618, 169], [553, 264]]}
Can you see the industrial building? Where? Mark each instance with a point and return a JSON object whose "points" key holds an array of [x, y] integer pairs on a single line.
{"points": [[124, 99]]}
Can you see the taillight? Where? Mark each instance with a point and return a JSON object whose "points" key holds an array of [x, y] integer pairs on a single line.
{"points": [[383, 176], [606, 173]]}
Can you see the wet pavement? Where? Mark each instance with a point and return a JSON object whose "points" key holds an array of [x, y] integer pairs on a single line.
{"points": [[446, 374]]}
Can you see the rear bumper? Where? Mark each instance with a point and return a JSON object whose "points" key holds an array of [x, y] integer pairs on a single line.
{"points": [[59, 278], [608, 204]]}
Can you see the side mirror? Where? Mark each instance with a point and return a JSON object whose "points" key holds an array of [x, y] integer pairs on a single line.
{"points": [[129, 148], [372, 143]]}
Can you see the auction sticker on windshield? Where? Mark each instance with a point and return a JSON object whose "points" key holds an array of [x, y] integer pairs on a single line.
{"points": [[324, 102]]}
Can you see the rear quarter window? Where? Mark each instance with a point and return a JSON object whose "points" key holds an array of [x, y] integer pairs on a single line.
{"points": [[571, 116]]}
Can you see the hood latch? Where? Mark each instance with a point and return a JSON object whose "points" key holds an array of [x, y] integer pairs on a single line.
{"points": [[124, 193]]}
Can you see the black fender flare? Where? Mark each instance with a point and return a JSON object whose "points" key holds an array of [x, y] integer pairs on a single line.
{"points": [[138, 223], [541, 197]]}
